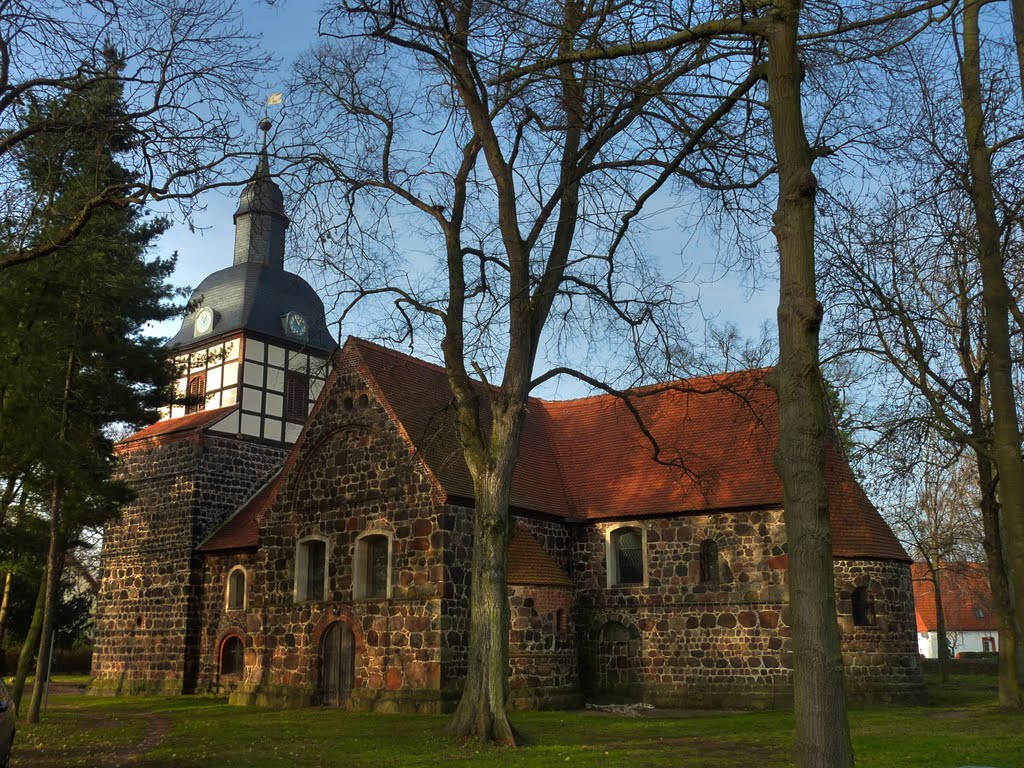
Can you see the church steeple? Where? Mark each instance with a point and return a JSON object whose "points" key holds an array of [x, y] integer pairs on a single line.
{"points": [[260, 221]]}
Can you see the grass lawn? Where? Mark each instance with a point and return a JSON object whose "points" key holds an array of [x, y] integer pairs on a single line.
{"points": [[962, 727]]}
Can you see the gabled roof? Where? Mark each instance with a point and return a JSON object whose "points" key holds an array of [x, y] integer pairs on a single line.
{"points": [[589, 459], [192, 422], [966, 598], [242, 529], [529, 564]]}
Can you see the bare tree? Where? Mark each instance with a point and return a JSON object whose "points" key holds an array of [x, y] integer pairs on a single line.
{"points": [[428, 129], [187, 69]]}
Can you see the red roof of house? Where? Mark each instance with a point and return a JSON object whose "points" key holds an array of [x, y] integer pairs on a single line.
{"points": [[590, 458], [966, 598], [528, 563], [191, 422]]}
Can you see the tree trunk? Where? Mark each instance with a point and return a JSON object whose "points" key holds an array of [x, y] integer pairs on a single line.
{"points": [[822, 730], [996, 301], [482, 712], [3, 607], [30, 645], [1009, 670], [53, 568], [1017, 11], [940, 621]]}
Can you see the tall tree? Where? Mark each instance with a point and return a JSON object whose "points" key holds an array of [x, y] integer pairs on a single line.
{"points": [[188, 68], [529, 184], [82, 359]]}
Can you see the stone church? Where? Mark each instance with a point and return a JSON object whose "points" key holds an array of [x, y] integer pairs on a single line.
{"points": [[301, 531]]}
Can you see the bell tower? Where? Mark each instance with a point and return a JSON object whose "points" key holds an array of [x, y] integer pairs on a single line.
{"points": [[252, 352]]}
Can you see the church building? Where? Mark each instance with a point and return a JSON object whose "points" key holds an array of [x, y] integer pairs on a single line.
{"points": [[302, 529]]}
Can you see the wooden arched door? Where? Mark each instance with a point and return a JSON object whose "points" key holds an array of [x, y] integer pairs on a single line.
{"points": [[337, 665]]}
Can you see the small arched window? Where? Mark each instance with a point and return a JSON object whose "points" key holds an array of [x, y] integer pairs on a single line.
{"points": [[232, 656], [626, 556], [311, 570], [709, 572], [236, 589], [863, 608], [373, 566], [296, 396], [196, 393], [561, 625]]}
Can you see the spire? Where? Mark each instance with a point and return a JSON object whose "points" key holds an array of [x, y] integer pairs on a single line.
{"points": [[260, 221]]}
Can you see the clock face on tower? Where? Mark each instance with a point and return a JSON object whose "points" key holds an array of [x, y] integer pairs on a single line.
{"points": [[296, 325], [204, 321]]}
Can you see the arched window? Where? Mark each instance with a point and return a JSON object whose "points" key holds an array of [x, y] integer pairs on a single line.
{"points": [[373, 566], [863, 608], [196, 393], [296, 396], [232, 656], [236, 589], [561, 625], [709, 562], [627, 557], [311, 569]]}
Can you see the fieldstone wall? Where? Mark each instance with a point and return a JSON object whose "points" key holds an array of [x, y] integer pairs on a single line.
{"points": [[148, 605], [881, 659], [542, 648], [354, 475], [676, 641]]}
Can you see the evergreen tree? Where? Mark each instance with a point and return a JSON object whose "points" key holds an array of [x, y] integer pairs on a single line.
{"points": [[71, 329]]}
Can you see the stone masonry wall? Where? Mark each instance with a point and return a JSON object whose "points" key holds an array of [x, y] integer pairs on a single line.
{"points": [[881, 659], [675, 641], [354, 475], [543, 662], [147, 613]]}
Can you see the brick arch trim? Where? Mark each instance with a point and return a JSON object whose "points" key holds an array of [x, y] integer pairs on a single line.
{"points": [[356, 429], [629, 622], [331, 616], [222, 636]]}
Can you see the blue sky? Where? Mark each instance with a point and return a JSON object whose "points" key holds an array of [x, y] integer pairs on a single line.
{"points": [[287, 28]]}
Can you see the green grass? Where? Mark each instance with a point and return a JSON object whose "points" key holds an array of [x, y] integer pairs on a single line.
{"points": [[963, 727]]}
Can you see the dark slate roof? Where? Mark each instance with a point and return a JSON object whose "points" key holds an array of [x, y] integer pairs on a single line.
{"points": [[254, 297]]}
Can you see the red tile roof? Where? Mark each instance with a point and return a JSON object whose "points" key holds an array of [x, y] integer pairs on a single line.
{"points": [[529, 563], [242, 529], [589, 458], [191, 422], [965, 594]]}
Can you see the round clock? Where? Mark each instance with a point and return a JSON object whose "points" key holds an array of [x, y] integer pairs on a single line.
{"points": [[297, 325], [204, 321]]}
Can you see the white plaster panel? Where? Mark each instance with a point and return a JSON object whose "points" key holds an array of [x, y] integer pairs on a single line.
{"points": [[228, 424], [213, 378], [271, 429], [213, 400], [315, 385], [318, 366], [254, 350], [180, 387], [231, 350], [177, 410], [252, 399], [230, 375], [229, 397], [275, 356], [275, 380], [250, 425], [298, 361], [275, 405], [292, 432], [252, 374]]}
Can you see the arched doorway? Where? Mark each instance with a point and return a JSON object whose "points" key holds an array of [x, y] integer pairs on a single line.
{"points": [[337, 664]]}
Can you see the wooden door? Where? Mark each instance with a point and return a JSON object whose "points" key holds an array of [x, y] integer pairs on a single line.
{"points": [[337, 665]]}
